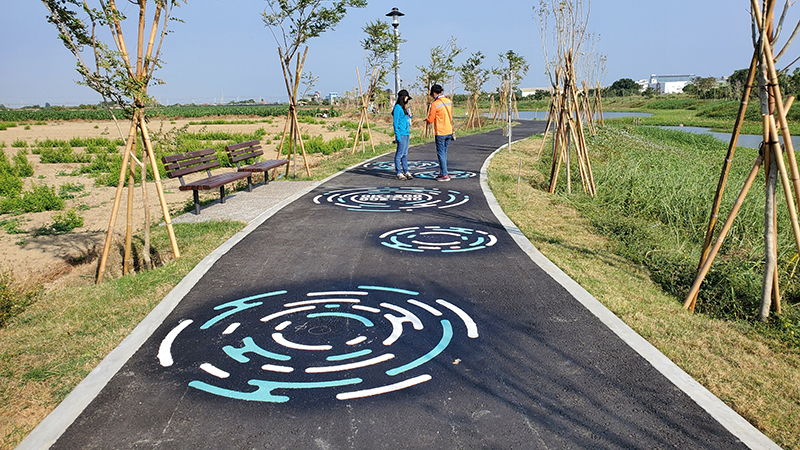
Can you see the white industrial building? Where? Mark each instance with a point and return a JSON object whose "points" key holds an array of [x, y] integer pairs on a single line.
{"points": [[666, 84]]}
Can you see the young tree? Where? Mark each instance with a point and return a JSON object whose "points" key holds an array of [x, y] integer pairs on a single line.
{"points": [[473, 77], [292, 23], [378, 47], [440, 69], [566, 22], [123, 77], [511, 70], [441, 66]]}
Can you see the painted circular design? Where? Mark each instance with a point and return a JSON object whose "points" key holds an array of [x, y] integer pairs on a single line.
{"points": [[392, 199], [437, 239], [412, 165], [347, 344], [454, 174]]}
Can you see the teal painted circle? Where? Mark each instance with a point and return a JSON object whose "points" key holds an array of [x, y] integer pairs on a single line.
{"points": [[352, 344]]}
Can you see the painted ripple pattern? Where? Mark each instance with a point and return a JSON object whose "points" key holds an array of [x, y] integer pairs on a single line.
{"points": [[412, 165], [274, 346], [437, 239], [422, 169], [392, 199], [453, 174]]}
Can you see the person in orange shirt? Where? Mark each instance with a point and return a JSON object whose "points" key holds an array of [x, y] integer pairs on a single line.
{"points": [[441, 116]]}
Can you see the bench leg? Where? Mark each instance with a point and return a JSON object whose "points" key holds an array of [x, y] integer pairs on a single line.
{"points": [[196, 196], [250, 183], [222, 194]]}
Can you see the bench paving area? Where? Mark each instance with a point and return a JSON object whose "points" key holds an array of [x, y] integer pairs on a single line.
{"points": [[366, 313]]}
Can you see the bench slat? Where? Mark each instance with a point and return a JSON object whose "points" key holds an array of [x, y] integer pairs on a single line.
{"points": [[263, 166], [234, 157], [182, 156], [198, 168], [191, 162], [241, 145], [214, 181]]}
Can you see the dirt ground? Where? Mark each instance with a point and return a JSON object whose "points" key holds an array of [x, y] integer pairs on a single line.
{"points": [[51, 257]]}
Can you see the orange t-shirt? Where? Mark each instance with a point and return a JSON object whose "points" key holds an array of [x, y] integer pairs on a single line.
{"points": [[441, 116]]}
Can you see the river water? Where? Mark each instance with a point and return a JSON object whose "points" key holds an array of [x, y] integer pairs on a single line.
{"points": [[542, 115], [745, 140]]}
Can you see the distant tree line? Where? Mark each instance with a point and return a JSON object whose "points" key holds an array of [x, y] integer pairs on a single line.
{"points": [[708, 87]]}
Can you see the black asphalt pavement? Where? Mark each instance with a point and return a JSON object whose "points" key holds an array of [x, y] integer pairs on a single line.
{"points": [[373, 313]]}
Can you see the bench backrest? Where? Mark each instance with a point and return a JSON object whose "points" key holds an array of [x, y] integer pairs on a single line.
{"points": [[244, 151], [185, 163]]}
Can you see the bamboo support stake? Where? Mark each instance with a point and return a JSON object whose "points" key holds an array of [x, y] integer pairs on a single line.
{"points": [[726, 166], [101, 270], [362, 112], [147, 262], [779, 105], [691, 298], [283, 139], [127, 260], [298, 72], [159, 188], [546, 126], [599, 97]]}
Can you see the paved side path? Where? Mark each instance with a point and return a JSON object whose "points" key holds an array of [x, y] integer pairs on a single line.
{"points": [[372, 313]]}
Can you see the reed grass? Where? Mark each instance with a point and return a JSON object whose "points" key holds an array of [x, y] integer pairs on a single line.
{"points": [[616, 252]]}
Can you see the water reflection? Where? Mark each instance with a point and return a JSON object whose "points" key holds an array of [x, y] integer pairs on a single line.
{"points": [[745, 140]]}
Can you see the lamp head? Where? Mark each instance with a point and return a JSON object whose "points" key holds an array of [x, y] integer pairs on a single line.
{"points": [[395, 14]]}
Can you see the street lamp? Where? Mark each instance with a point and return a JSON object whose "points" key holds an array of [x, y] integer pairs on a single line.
{"points": [[395, 14]]}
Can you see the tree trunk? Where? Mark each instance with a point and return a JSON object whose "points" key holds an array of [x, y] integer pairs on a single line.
{"points": [[769, 239]]}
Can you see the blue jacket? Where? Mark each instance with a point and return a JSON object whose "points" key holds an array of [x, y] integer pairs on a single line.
{"points": [[401, 121]]}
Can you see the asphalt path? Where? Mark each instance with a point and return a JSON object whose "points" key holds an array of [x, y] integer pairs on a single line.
{"points": [[375, 313]]}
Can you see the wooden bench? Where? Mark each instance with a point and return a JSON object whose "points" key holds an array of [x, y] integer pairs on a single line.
{"points": [[182, 164], [252, 150]]}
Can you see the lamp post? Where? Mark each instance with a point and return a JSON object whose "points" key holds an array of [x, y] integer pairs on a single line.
{"points": [[395, 14]]}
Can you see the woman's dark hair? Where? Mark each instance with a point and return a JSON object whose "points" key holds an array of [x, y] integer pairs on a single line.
{"points": [[436, 89], [402, 100]]}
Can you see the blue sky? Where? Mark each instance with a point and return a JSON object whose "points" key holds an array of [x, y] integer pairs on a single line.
{"points": [[224, 51]]}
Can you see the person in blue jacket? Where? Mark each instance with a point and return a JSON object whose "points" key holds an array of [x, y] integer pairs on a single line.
{"points": [[402, 132]]}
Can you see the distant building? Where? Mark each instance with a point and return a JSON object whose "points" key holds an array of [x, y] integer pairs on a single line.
{"points": [[668, 84], [332, 97], [527, 92]]}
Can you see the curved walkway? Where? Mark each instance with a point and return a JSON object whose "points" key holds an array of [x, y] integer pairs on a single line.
{"points": [[366, 313]]}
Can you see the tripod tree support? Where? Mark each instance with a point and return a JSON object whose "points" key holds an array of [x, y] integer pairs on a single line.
{"points": [[364, 116], [773, 154]]}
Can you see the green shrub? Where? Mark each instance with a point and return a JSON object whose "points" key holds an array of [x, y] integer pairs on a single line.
{"points": [[62, 223], [10, 184], [317, 144], [6, 125], [39, 198], [56, 155], [68, 190], [19, 143], [22, 168], [12, 226]]}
